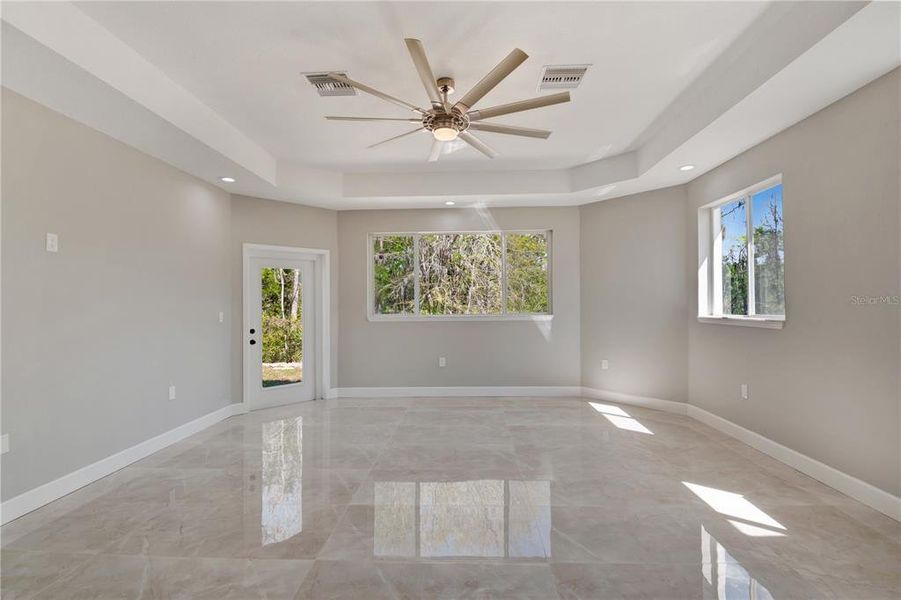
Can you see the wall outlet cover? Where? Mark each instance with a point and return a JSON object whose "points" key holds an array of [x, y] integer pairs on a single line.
{"points": [[171, 392], [4, 443], [442, 361], [605, 365], [744, 391]]}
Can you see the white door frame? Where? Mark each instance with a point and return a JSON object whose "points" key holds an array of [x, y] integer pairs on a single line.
{"points": [[321, 318]]}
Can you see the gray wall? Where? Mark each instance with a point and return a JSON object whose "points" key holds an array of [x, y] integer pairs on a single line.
{"points": [[828, 384], [388, 354], [635, 295], [94, 335], [256, 221]]}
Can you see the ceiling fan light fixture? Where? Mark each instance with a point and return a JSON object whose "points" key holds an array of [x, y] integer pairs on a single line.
{"points": [[445, 134]]}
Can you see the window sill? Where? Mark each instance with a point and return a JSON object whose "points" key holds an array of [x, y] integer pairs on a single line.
{"points": [[761, 322], [445, 318]]}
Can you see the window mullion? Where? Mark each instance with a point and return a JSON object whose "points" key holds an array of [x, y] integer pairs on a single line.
{"points": [[503, 273], [752, 292], [416, 274]]}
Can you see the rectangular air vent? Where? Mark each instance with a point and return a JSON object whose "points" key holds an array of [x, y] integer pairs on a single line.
{"points": [[326, 86], [562, 77]]}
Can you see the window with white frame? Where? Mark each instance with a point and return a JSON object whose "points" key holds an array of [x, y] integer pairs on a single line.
{"points": [[459, 274], [742, 255]]}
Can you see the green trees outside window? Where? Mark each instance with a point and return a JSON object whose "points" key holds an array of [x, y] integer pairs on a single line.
{"points": [[460, 273], [527, 273], [763, 254]]}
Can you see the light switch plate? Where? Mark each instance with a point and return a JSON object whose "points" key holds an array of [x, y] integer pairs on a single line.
{"points": [[442, 361], [221, 316], [171, 392], [4, 443], [52, 242], [605, 365]]}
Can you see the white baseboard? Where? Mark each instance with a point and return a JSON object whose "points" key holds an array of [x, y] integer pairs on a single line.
{"points": [[32, 499], [679, 408], [878, 499], [457, 391]]}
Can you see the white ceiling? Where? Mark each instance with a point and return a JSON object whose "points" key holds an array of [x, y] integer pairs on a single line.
{"points": [[244, 59], [216, 88]]}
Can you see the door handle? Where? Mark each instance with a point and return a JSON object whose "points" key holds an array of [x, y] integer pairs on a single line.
{"points": [[252, 342]]}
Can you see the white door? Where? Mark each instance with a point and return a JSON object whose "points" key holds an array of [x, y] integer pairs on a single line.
{"points": [[279, 331]]}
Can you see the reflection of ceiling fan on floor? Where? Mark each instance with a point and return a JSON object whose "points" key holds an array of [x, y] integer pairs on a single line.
{"points": [[448, 122]]}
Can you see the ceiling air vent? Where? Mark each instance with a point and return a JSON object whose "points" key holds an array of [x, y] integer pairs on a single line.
{"points": [[562, 77], [326, 86]]}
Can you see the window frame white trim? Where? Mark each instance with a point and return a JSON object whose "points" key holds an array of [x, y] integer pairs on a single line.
{"points": [[710, 283], [415, 316]]}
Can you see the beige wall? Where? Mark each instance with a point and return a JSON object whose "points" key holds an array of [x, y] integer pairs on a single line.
{"points": [[256, 221], [828, 384], [94, 335], [635, 295], [493, 353]]}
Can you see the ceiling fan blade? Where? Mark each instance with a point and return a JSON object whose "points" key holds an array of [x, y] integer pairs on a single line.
{"points": [[494, 77], [506, 109], [397, 137], [510, 130], [436, 150], [417, 53], [477, 144], [410, 120], [374, 92]]}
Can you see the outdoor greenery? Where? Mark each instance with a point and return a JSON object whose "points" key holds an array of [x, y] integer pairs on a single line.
{"points": [[735, 261], [527, 283], [392, 257], [460, 273], [769, 254], [282, 312]]}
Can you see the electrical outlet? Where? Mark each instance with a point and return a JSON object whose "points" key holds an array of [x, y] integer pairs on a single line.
{"points": [[744, 391], [4, 443], [171, 392], [221, 316], [442, 361], [52, 242], [605, 365]]}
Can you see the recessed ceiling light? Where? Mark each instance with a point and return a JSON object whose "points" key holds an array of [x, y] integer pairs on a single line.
{"points": [[450, 203], [227, 179], [686, 167]]}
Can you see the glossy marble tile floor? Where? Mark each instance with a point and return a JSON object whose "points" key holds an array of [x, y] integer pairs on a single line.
{"points": [[454, 498]]}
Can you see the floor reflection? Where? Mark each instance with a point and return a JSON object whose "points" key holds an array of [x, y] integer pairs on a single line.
{"points": [[726, 578], [482, 518], [281, 516]]}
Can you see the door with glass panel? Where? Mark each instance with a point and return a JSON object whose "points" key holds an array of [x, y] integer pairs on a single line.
{"points": [[278, 340]]}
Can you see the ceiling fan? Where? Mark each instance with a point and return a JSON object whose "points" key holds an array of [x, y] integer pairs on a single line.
{"points": [[448, 122]]}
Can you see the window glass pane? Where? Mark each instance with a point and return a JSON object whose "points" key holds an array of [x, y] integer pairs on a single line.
{"points": [[527, 262], [460, 274], [392, 268], [282, 297], [734, 232], [769, 251]]}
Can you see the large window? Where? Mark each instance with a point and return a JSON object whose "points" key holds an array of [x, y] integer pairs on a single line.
{"points": [[459, 274], [742, 255]]}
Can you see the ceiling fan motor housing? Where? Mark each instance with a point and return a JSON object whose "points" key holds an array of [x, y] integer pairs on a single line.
{"points": [[441, 120]]}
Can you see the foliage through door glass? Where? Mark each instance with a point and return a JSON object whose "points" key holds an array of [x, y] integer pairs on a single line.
{"points": [[282, 313]]}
